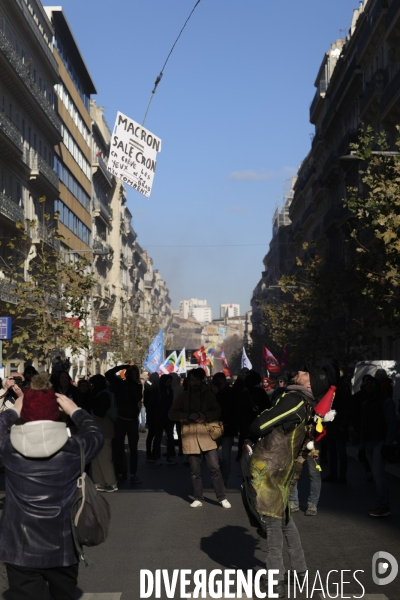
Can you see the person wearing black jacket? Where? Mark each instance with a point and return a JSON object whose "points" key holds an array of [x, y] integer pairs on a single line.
{"points": [[280, 433], [42, 464], [149, 390], [227, 401], [128, 395], [252, 401], [161, 402]]}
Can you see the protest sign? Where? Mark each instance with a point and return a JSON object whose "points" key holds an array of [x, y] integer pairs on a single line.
{"points": [[133, 154]]}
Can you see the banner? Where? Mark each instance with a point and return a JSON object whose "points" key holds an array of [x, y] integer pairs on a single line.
{"points": [[180, 366], [269, 361], [101, 334], [245, 362], [168, 366], [224, 362], [155, 354], [133, 154]]}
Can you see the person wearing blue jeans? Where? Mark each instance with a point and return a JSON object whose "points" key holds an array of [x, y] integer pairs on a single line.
{"points": [[315, 490]]}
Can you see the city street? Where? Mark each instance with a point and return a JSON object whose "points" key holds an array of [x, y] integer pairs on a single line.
{"points": [[154, 528]]}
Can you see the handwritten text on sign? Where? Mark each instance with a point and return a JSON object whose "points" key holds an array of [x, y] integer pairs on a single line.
{"points": [[133, 154]]}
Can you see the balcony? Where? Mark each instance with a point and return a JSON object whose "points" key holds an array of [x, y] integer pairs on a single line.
{"points": [[101, 210], [42, 175], [11, 144], [392, 20], [100, 166], [40, 233], [373, 92], [10, 209], [350, 137], [309, 212], [318, 99], [102, 246], [41, 42], [15, 76], [332, 216], [391, 95]]}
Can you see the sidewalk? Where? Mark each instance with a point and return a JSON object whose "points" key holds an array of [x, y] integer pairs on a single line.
{"points": [[391, 469]]}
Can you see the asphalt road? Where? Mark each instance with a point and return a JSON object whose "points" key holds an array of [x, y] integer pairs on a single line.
{"points": [[153, 527]]}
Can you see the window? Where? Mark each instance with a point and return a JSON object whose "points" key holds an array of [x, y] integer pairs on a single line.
{"points": [[34, 75], [11, 187], [10, 112], [34, 142], [4, 104], [29, 137]]}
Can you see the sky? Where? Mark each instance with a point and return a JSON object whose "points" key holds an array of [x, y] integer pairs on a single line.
{"points": [[232, 110]]}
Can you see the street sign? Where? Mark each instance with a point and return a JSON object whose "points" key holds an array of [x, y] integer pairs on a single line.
{"points": [[133, 154], [5, 328]]}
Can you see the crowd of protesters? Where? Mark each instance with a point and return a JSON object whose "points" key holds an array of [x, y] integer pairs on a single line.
{"points": [[269, 415]]}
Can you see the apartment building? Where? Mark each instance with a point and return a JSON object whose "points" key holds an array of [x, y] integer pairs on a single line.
{"points": [[29, 125], [73, 156], [229, 310], [358, 82], [196, 308]]}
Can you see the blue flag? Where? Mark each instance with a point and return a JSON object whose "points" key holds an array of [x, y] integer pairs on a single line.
{"points": [[155, 354]]}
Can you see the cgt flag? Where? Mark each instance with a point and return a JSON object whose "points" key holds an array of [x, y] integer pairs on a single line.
{"points": [[155, 354], [101, 334], [269, 361], [245, 362], [201, 356], [224, 362]]}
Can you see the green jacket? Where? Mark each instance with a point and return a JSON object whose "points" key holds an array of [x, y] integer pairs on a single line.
{"points": [[283, 429]]}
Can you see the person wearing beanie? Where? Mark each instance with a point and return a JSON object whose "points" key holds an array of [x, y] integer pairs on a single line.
{"points": [[42, 463], [279, 434]]}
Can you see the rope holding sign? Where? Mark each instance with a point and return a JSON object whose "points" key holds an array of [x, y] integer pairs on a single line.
{"points": [[157, 81]]}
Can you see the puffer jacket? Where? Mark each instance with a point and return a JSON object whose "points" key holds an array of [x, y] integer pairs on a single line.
{"points": [[42, 465], [281, 431], [195, 436]]}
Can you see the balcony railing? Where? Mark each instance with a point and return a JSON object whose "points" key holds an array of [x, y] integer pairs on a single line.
{"points": [[99, 244], [11, 131], [392, 90], [40, 232], [24, 76], [39, 37], [99, 162], [99, 206], [393, 10], [37, 163], [10, 209]]}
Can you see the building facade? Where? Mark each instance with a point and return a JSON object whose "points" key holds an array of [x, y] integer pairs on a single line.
{"points": [[358, 83], [229, 310]]}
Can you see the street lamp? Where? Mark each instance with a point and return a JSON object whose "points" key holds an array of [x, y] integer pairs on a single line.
{"points": [[354, 156]]}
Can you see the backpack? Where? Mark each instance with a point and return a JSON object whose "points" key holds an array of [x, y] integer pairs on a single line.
{"points": [[90, 515]]}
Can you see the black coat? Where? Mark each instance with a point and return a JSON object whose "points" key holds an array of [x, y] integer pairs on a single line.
{"points": [[35, 527]]}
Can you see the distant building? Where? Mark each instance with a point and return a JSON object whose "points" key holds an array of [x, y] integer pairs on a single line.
{"points": [[196, 308], [229, 310]]}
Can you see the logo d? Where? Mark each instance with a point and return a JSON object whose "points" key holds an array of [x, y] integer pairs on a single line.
{"points": [[383, 567]]}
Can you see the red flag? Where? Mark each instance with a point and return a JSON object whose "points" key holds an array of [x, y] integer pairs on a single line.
{"points": [[269, 361], [225, 367], [201, 356], [284, 359], [101, 334], [99, 154]]}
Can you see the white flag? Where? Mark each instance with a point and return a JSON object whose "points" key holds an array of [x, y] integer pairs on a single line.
{"points": [[245, 361], [180, 366]]}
